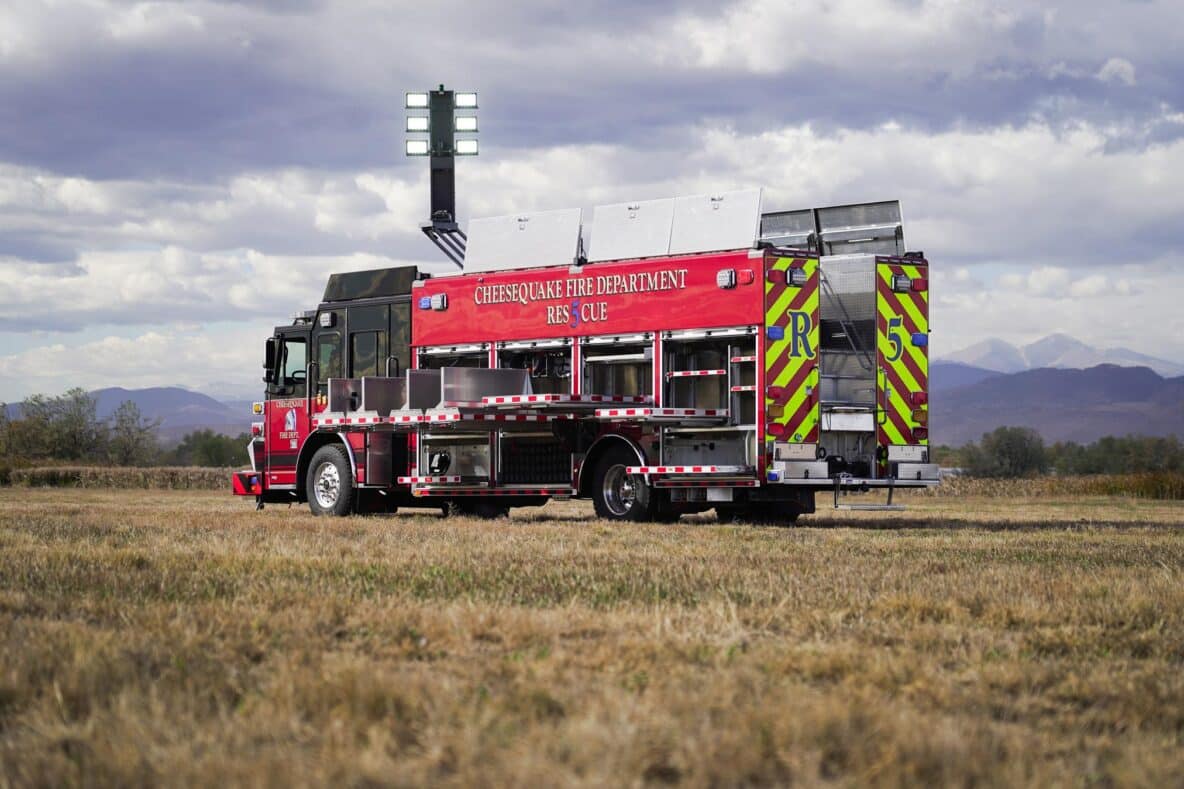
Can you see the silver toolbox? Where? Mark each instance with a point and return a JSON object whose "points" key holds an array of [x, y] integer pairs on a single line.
{"points": [[383, 395], [423, 389], [906, 472], [801, 469], [908, 453], [470, 384], [345, 394]]}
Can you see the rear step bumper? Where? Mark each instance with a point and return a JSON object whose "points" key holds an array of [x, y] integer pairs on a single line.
{"points": [[815, 474]]}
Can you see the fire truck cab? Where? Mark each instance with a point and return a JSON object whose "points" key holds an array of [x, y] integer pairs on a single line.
{"points": [[668, 357]]}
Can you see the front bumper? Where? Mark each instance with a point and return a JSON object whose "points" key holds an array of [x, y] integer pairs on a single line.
{"points": [[247, 483]]}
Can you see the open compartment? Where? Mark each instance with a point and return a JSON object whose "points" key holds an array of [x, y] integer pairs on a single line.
{"points": [[618, 367]]}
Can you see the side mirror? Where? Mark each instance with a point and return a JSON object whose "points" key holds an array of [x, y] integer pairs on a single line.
{"points": [[269, 354]]}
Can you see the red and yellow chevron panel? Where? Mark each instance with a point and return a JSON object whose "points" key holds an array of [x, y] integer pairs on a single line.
{"points": [[902, 353], [791, 350]]}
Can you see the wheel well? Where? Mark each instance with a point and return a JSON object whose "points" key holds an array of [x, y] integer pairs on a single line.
{"points": [[315, 442], [596, 452]]}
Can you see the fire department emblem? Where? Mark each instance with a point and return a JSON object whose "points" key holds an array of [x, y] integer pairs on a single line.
{"points": [[290, 420]]}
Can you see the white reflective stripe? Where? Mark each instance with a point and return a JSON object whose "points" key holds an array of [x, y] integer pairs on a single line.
{"points": [[688, 412], [688, 469], [693, 373]]}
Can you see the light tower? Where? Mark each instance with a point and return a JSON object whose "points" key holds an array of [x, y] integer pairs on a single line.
{"points": [[449, 115]]}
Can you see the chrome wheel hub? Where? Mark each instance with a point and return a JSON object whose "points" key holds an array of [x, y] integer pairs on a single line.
{"points": [[620, 492], [328, 485]]}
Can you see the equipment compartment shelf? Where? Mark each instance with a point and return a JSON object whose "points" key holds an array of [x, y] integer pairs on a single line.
{"points": [[564, 400], [662, 414]]}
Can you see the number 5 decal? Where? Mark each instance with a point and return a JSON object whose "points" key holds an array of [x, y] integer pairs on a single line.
{"points": [[894, 338]]}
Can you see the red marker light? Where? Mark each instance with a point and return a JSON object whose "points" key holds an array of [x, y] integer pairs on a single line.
{"points": [[921, 433], [775, 429], [920, 285], [776, 276], [776, 393], [746, 276], [920, 398]]}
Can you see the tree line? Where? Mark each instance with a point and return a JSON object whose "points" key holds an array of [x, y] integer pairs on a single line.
{"points": [[66, 428], [1021, 452]]}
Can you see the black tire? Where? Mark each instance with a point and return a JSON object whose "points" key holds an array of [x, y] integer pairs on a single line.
{"points": [[330, 482], [618, 496]]}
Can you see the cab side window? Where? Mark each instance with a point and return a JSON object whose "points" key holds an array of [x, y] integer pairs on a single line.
{"points": [[367, 354], [293, 370], [328, 357]]}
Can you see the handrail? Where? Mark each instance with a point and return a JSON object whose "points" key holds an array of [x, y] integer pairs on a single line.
{"points": [[310, 386], [882, 397], [398, 369]]}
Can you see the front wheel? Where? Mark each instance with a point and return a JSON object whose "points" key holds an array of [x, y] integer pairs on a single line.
{"points": [[330, 482], [618, 495]]}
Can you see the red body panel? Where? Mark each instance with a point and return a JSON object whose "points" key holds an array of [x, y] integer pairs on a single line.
{"points": [[285, 428], [599, 298]]}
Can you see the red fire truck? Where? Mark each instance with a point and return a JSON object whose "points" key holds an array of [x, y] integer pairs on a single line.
{"points": [[668, 357]]}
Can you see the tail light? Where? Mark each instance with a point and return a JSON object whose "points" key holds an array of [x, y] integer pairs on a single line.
{"points": [[256, 428], [920, 285], [919, 398], [776, 276], [775, 429], [776, 393], [921, 433]]}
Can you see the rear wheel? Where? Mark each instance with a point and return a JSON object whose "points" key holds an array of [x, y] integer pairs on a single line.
{"points": [[330, 482], [618, 495]]}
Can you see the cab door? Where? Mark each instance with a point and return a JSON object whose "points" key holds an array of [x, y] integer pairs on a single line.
{"points": [[286, 423], [902, 355], [791, 353]]}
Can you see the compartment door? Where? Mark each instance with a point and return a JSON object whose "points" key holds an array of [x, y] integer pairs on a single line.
{"points": [[791, 350], [902, 353]]}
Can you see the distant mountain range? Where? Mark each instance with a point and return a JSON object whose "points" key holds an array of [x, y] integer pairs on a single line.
{"points": [[180, 411], [1062, 405], [1055, 350]]}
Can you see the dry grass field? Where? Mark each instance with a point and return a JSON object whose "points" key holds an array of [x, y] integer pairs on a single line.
{"points": [[180, 638]]}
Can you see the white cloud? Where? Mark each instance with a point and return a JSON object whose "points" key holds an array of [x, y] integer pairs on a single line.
{"points": [[164, 357], [769, 36], [1117, 70]]}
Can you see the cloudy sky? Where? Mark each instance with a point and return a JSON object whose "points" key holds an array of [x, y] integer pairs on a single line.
{"points": [[178, 177]]}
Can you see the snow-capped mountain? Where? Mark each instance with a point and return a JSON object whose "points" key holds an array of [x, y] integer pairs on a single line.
{"points": [[1056, 350]]}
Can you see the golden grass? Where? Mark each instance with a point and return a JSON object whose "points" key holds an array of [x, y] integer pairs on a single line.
{"points": [[151, 478], [1145, 485], [1150, 485], [181, 638]]}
